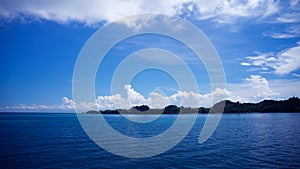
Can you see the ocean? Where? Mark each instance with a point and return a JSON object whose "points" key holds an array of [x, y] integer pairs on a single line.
{"points": [[49, 140]]}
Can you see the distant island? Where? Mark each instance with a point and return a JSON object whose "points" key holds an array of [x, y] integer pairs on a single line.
{"points": [[267, 106]]}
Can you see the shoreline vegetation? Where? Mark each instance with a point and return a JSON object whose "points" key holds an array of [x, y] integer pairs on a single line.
{"points": [[266, 106]]}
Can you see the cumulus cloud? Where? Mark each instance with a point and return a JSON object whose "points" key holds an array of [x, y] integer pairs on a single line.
{"points": [[93, 12], [254, 89], [260, 86], [134, 97], [283, 62], [158, 100]]}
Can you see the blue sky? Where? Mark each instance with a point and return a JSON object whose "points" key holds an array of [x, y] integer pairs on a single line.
{"points": [[257, 41]]}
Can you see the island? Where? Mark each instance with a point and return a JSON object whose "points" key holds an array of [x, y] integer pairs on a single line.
{"points": [[291, 105]]}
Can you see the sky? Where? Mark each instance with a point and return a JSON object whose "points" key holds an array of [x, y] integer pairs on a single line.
{"points": [[258, 42]]}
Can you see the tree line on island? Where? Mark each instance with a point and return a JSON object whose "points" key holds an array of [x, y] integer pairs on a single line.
{"points": [[267, 106]]}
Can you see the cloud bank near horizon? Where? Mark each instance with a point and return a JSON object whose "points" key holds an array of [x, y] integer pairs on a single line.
{"points": [[254, 89]]}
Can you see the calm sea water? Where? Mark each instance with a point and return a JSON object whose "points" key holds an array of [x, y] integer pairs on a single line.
{"points": [[240, 141]]}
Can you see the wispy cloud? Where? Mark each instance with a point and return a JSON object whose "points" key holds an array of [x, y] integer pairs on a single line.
{"points": [[281, 35], [295, 74], [93, 12], [245, 64], [291, 12], [292, 31], [283, 62], [289, 17], [230, 11]]}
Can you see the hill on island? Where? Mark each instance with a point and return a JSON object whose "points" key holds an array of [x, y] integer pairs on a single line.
{"points": [[266, 106]]}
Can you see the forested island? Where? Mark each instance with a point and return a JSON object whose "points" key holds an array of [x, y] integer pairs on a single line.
{"points": [[266, 106]]}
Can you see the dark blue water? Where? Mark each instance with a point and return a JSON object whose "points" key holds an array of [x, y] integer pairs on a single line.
{"points": [[240, 141]]}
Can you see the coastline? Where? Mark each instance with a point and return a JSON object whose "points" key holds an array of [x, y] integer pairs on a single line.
{"points": [[291, 105]]}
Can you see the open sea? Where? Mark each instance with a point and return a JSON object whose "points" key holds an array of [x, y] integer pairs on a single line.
{"points": [[45, 140]]}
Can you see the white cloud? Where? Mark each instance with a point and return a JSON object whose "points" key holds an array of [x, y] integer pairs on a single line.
{"points": [[294, 3], [134, 97], [286, 87], [93, 12], [283, 62], [66, 105], [245, 64], [295, 30], [289, 15], [260, 86], [280, 35], [253, 89], [295, 74], [228, 11], [289, 61], [158, 100], [262, 59], [292, 31]]}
